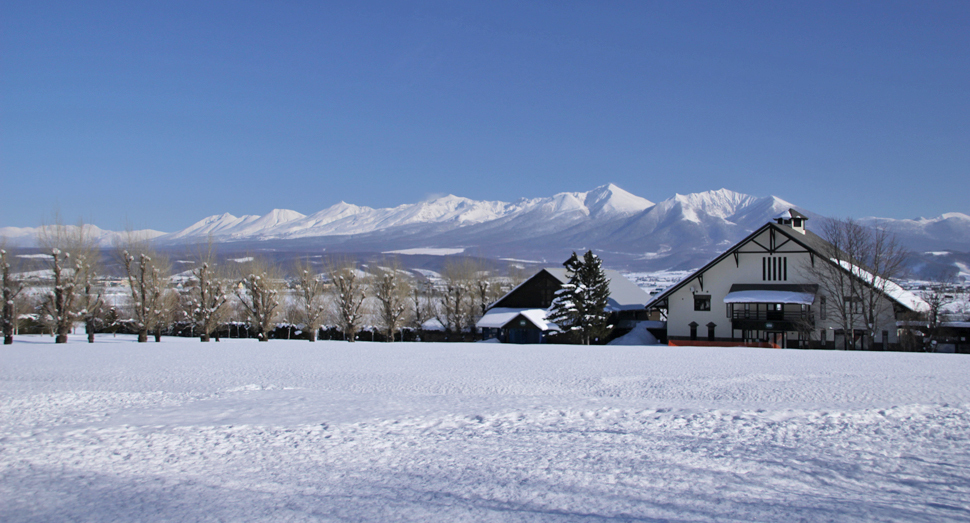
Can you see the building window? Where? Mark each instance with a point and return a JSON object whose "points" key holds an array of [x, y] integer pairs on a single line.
{"points": [[774, 269], [821, 308], [853, 305], [702, 303]]}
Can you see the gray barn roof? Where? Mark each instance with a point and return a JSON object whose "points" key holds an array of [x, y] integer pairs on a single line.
{"points": [[624, 294]]}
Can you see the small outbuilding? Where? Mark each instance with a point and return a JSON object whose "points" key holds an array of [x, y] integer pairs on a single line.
{"points": [[520, 315]]}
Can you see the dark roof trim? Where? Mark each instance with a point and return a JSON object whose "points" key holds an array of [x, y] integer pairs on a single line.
{"points": [[784, 287], [804, 240], [700, 272]]}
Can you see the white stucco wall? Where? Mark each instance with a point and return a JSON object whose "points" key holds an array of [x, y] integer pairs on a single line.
{"points": [[718, 279]]}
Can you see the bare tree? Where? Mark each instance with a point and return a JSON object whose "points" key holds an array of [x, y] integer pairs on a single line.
{"points": [[514, 276], [91, 304], [147, 273], [858, 277], [207, 299], [455, 305], [169, 309], [940, 294], [26, 307], [347, 297], [487, 290], [71, 248], [12, 288], [260, 296], [422, 307], [309, 306], [391, 289]]}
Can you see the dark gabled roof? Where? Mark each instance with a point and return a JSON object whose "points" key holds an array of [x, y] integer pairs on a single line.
{"points": [[556, 274], [624, 294]]}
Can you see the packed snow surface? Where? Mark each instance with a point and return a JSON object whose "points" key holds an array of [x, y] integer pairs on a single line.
{"points": [[331, 431]]}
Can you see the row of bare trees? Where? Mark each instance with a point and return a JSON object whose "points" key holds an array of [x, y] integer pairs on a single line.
{"points": [[386, 296], [254, 292]]}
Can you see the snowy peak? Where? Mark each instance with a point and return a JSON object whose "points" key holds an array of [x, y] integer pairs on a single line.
{"points": [[265, 223], [610, 200], [721, 203], [331, 214], [955, 216], [450, 208], [216, 225]]}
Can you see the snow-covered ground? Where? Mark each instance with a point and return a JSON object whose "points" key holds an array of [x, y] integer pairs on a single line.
{"points": [[293, 431]]}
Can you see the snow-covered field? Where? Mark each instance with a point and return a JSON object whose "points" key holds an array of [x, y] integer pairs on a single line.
{"points": [[293, 431]]}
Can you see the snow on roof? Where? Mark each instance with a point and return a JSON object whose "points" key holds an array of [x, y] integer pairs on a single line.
{"points": [[894, 291], [624, 294], [499, 317], [766, 296], [432, 325], [790, 214]]}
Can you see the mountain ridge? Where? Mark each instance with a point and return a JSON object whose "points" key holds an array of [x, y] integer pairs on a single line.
{"points": [[675, 232]]}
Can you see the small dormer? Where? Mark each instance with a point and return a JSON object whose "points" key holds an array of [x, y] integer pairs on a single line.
{"points": [[793, 219]]}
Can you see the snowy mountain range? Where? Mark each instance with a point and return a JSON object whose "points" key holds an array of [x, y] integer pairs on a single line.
{"points": [[680, 232], [447, 212]]}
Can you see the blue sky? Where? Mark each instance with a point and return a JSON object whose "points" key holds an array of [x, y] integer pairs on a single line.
{"points": [[164, 113]]}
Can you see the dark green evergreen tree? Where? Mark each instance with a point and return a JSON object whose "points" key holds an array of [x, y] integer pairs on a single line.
{"points": [[580, 306]]}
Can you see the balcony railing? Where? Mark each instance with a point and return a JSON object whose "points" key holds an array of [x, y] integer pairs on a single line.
{"points": [[763, 315]]}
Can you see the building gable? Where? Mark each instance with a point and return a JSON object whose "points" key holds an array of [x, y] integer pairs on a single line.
{"points": [[535, 293]]}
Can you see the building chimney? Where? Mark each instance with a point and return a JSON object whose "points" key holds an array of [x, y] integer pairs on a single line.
{"points": [[793, 219]]}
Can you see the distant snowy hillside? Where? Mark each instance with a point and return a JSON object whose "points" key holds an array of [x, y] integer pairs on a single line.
{"points": [[679, 233], [948, 231], [27, 236]]}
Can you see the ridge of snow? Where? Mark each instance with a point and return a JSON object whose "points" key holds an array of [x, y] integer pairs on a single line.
{"points": [[269, 221], [901, 295]]}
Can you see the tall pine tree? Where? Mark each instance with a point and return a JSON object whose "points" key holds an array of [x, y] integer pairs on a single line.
{"points": [[580, 306]]}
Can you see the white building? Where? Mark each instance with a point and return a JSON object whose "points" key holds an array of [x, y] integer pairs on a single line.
{"points": [[763, 292]]}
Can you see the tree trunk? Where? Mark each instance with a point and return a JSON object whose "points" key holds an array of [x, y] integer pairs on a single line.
{"points": [[8, 339], [89, 328], [312, 335], [204, 338], [62, 332], [158, 336], [142, 335]]}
